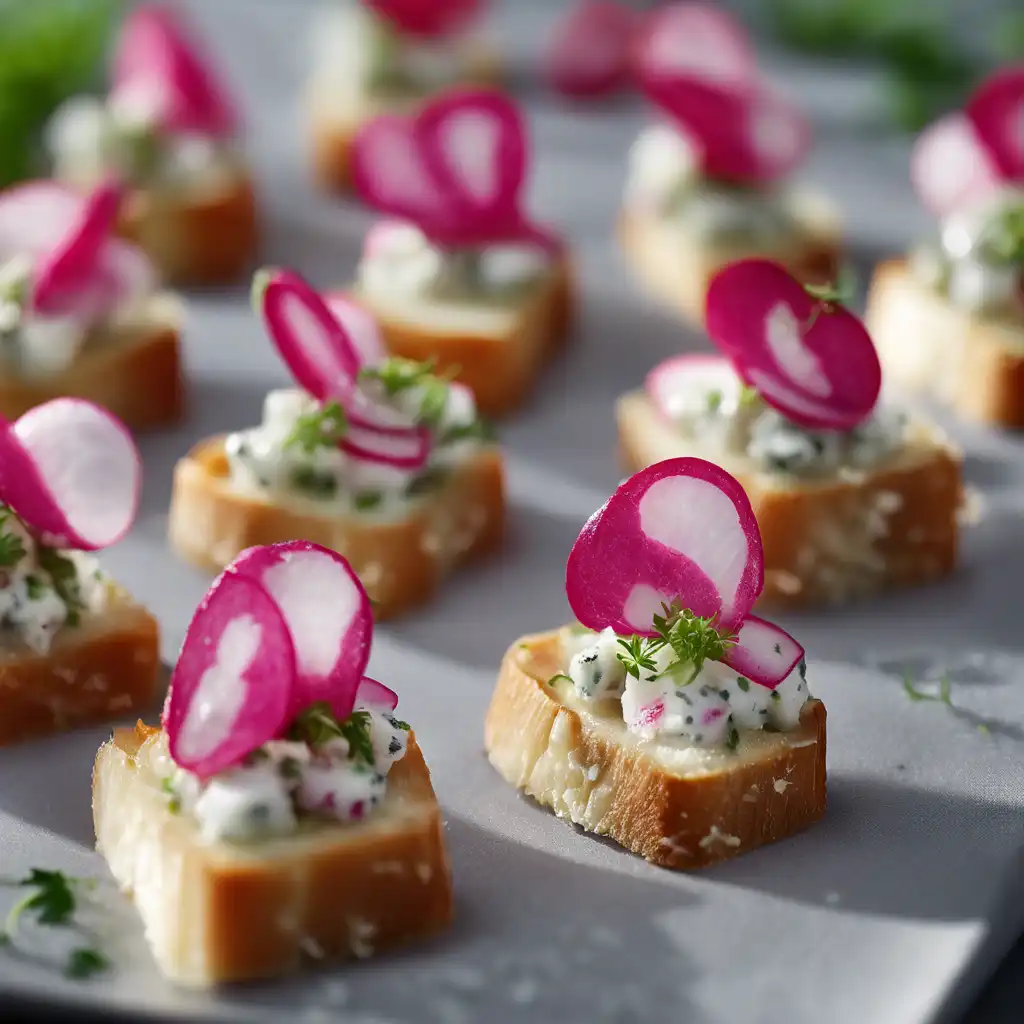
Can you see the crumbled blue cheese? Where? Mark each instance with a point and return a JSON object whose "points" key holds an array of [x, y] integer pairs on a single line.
{"points": [[288, 780], [89, 138], [268, 459], [402, 263]]}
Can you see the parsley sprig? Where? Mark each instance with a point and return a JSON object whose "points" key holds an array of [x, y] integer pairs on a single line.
{"points": [[12, 547], [693, 640], [944, 695], [64, 575], [397, 374], [318, 725], [1003, 236], [321, 428], [51, 901]]}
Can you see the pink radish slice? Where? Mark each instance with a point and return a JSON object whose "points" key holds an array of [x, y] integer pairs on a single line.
{"points": [[155, 54], [589, 51], [813, 362], [327, 613], [408, 450], [361, 327], [763, 653], [996, 110], [427, 18], [72, 472], [65, 279], [681, 530], [950, 166], [232, 688], [695, 41], [751, 136], [376, 696], [681, 374]]}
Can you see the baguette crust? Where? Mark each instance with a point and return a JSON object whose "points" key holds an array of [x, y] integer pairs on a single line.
{"points": [[195, 240], [677, 273], [568, 761], [500, 371], [139, 380], [222, 912], [929, 346], [827, 541], [106, 668], [401, 563]]}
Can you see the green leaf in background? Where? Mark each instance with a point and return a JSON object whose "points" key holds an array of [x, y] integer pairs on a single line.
{"points": [[48, 52]]}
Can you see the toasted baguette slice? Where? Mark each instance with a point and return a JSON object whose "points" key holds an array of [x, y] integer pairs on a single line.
{"points": [[196, 239], [496, 351], [828, 540], [223, 912], [334, 122], [680, 807], [107, 667], [136, 374], [930, 347], [401, 562], [676, 271]]}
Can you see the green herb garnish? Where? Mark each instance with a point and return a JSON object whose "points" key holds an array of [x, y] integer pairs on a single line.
{"points": [[317, 725], [944, 696], [1003, 237], [173, 800], [316, 485], [428, 480], [639, 654], [322, 428], [397, 374], [64, 574], [364, 501], [478, 430], [559, 675], [85, 962], [748, 396], [732, 741], [12, 548], [713, 401]]}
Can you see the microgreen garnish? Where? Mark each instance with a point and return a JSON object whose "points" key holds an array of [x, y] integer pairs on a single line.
{"points": [[173, 800], [713, 401], [51, 902], [638, 656], [317, 725], [315, 484], [64, 574], [12, 548], [732, 741], [559, 675], [748, 396], [944, 696], [322, 428], [1003, 236], [397, 374]]}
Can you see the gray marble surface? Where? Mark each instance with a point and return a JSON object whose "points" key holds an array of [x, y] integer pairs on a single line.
{"points": [[894, 910]]}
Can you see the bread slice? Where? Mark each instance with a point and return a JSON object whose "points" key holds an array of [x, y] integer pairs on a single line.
{"points": [[196, 238], [676, 271], [224, 912], [496, 351], [334, 120], [106, 667], [679, 807], [136, 373], [829, 540], [930, 347], [401, 562]]}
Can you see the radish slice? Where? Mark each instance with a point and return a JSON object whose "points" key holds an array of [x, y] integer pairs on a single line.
{"points": [[950, 166], [455, 170], [231, 689], [996, 111], [328, 616], [681, 530], [589, 52], [671, 381], [361, 327], [428, 19], [812, 361], [763, 652], [72, 472], [375, 696], [749, 136], [408, 450], [65, 280], [696, 41], [156, 58]]}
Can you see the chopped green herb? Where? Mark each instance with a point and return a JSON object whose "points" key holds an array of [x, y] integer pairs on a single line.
{"points": [[1003, 236], [743, 684], [559, 675], [85, 962], [732, 741], [694, 639], [839, 292], [356, 729], [64, 575], [316, 485], [638, 656], [397, 723], [290, 768], [12, 548], [364, 501], [317, 725], [776, 695], [478, 430], [748, 396], [713, 400], [173, 800], [34, 587], [944, 696], [322, 428], [428, 480]]}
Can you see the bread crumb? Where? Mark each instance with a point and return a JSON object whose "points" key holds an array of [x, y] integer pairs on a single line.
{"points": [[388, 867], [781, 785], [311, 947], [424, 872], [716, 835], [360, 931]]}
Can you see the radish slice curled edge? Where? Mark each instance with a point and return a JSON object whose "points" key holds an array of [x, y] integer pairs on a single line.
{"points": [[376, 696], [328, 616], [71, 472], [763, 652], [812, 360], [231, 688]]}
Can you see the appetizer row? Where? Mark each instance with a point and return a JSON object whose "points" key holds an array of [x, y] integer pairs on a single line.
{"points": [[281, 811]]}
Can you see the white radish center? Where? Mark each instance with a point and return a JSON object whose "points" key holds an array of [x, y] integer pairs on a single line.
{"points": [[397, 171], [361, 328], [785, 338], [310, 336], [89, 464], [470, 141], [949, 160], [318, 600], [220, 694], [387, 447], [642, 603], [697, 519], [789, 399]]}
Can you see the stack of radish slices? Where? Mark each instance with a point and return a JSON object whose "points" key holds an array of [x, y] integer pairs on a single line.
{"points": [[680, 533], [456, 170], [802, 351], [282, 628], [970, 153], [71, 473]]}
